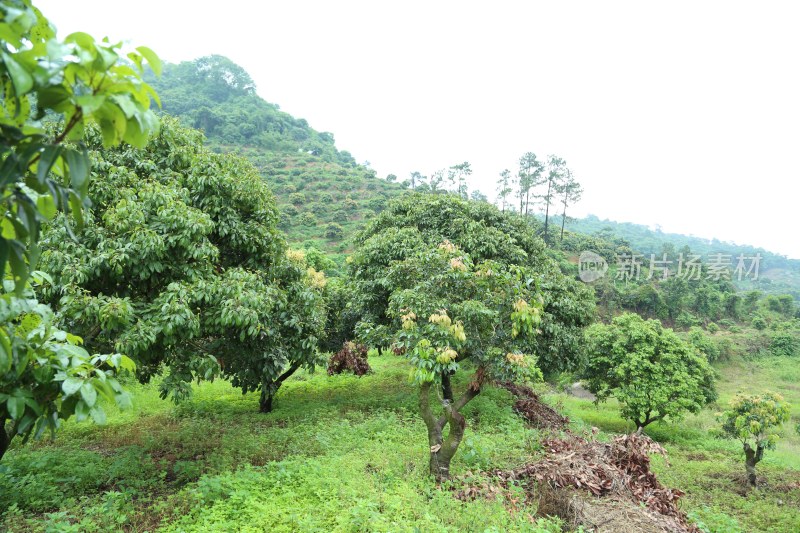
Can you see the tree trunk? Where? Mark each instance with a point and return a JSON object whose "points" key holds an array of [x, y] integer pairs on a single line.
{"points": [[547, 208], [270, 388], [5, 438], [751, 458], [442, 449], [265, 403], [447, 388], [527, 201], [563, 218]]}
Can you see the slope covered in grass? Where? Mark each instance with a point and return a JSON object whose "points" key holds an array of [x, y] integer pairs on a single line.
{"points": [[349, 454]]}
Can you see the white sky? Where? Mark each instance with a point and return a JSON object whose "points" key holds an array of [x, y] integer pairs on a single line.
{"points": [[683, 114]]}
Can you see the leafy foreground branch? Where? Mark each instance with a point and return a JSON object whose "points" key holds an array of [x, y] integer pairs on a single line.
{"points": [[46, 376]]}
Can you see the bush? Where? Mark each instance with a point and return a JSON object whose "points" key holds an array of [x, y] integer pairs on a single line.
{"points": [[759, 323], [727, 323], [308, 219], [783, 344], [703, 343], [352, 358], [334, 231], [686, 320], [756, 346], [712, 327], [725, 349]]}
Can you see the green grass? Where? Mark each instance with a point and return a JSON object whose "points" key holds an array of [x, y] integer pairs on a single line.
{"points": [[349, 454], [338, 454]]}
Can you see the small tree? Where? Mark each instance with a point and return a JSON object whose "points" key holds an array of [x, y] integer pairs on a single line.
{"points": [[752, 420], [334, 231], [449, 312], [650, 370]]}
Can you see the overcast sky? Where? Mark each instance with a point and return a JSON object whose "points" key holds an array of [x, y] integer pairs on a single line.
{"points": [[683, 114]]}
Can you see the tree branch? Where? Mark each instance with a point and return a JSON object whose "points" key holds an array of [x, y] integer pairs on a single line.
{"points": [[463, 400], [291, 370]]}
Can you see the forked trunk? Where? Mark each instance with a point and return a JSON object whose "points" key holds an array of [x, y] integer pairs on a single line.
{"points": [[751, 459], [442, 449]]}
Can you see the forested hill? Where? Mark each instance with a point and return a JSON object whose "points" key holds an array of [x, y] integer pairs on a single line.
{"points": [[777, 273], [323, 195], [216, 95]]}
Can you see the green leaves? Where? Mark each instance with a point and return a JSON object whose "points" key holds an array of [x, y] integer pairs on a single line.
{"points": [[50, 377], [20, 77], [71, 385], [198, 272], [6, 353], [152, 59], [75, 83], [650, 370], [752, 418], [44, 375], [78, 165]]}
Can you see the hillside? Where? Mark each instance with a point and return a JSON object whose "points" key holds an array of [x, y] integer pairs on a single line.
{"points": [[323, 195], [777, 273]]}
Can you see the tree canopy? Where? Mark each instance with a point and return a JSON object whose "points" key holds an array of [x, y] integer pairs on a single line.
{"points": [[181, 265], [648, 368], [754, 420], [483, 233]]}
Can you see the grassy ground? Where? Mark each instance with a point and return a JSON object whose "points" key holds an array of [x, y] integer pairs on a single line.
{"points": [[349, 454]]}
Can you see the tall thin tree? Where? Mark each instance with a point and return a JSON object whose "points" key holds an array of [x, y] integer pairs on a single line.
{"points": [[504, 188], [571, 192], [530, 177], [556, 168]]}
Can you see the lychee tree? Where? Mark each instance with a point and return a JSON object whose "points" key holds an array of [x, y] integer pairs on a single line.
{"points": [[652, 372], [181, 266], [480, 230], [754, 420], [450, 315]]}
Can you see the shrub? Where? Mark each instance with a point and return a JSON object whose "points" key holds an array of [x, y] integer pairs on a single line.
{"points": [[783, 344], [703, 343], [759, 323], [334, 231], [712, 327], [352, 358], [686, 320], [727, 323], [648, 369], [308, 219], [725, 349]]}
